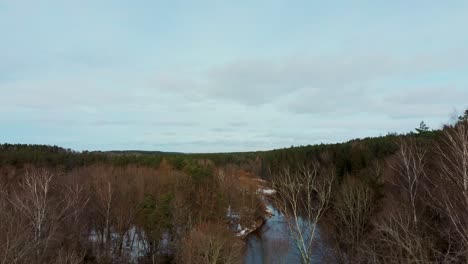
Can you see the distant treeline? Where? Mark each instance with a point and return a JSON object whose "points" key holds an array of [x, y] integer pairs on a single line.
{"points": [[351, 156], [55, 156]]}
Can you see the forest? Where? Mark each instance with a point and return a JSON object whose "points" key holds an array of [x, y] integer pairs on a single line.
{"points": [[389, 199]]}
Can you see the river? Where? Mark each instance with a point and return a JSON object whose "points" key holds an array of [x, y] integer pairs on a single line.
{"points": [[272, 244]]}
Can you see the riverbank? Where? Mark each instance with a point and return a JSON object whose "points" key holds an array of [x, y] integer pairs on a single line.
{"points": [[251, 183]]}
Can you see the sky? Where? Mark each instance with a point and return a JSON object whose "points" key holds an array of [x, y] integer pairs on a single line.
{"points": [[222, 76]]}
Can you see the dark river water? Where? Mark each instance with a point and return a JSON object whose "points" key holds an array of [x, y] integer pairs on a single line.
{"points": [[272, 244]]}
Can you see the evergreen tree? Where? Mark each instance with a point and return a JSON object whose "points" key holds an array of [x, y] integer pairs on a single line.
{"points": [[464, 117], [422, 128]]}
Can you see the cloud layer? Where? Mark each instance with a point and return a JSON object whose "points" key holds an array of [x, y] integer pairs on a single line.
{"points": [[212, 76]]}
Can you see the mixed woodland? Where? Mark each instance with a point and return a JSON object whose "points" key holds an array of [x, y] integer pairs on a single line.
{"points": [[399, 198]]}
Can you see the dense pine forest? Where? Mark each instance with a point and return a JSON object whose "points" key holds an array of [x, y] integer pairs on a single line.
{"points": [[390, 199]]}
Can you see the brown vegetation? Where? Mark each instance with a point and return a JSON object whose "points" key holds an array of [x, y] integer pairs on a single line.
{"points": [[112, 214]]}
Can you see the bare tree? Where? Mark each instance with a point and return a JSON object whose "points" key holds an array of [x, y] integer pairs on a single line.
{"points": [[14, 245], [451, 190], [303, 196], [398, 235], [353, 209], [210, 243], [68, 257], [399, 240], [45, 208], [35, 203], [454, 154], [411, 171], [104, 196]]}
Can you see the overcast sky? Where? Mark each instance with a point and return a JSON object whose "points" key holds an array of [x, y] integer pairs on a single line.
{"points": [[209, 76]]}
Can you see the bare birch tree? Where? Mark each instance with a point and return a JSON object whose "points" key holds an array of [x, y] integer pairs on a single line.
{"points": [[411, 171], [33, 202], [303, 196], [45, 210], [398, 234], [451, 189]]}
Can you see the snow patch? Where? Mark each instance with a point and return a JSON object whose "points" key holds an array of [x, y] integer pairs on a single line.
{"points": [[266, 191]]}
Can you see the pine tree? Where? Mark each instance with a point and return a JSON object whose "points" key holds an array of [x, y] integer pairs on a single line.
{"points": [[422, 128], [464, 117]]}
